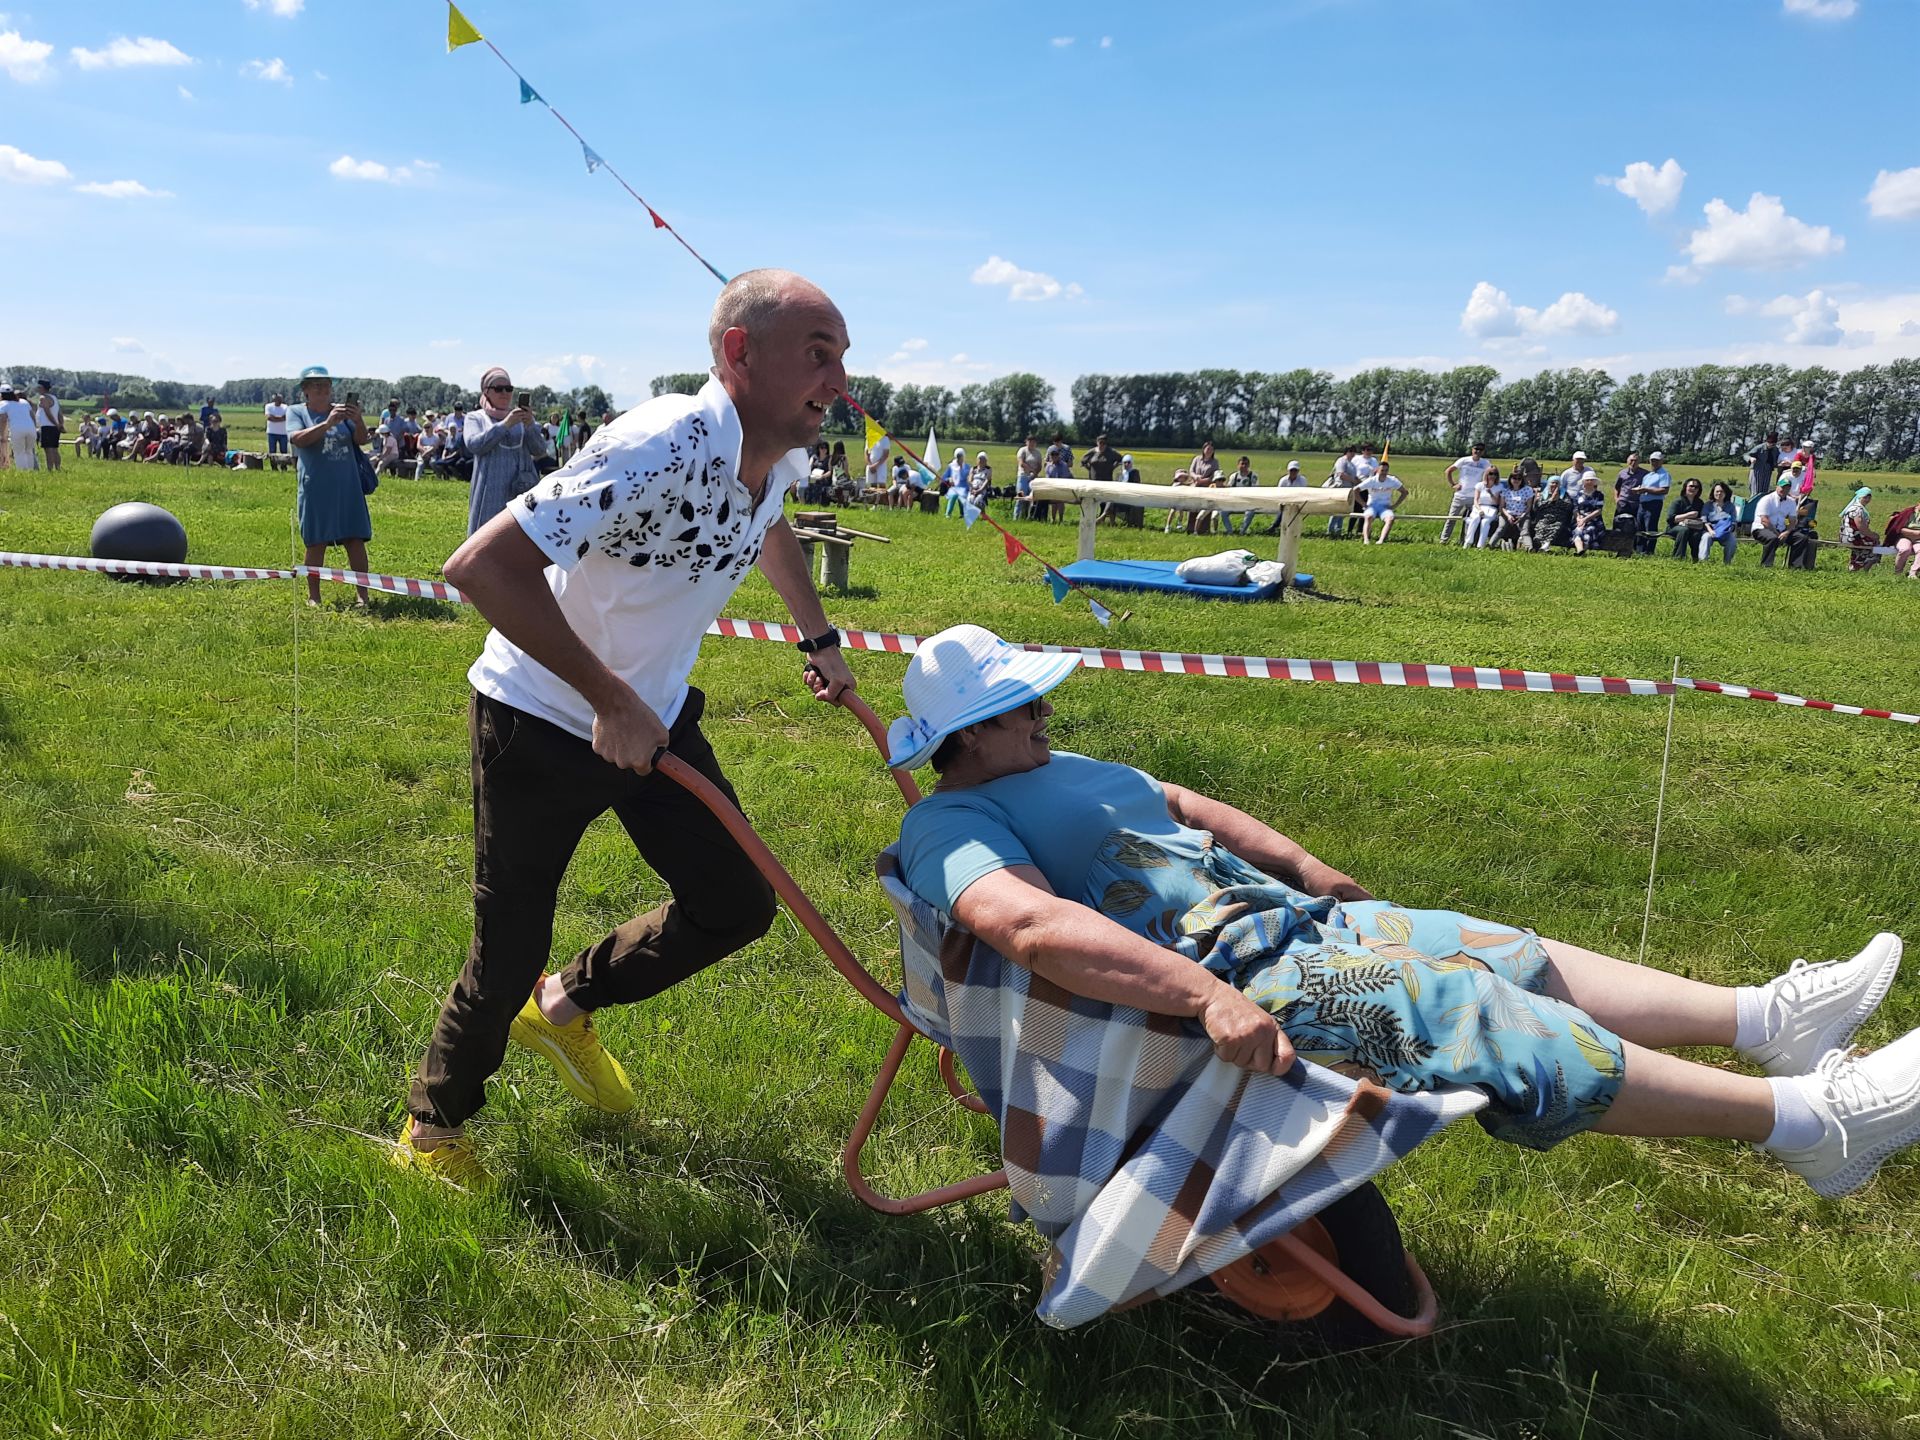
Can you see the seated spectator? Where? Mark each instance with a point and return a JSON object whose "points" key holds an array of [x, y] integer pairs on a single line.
{"points": [[1131, 516], [1777, 521], [1516, 498], [1383, 492], [1651, 498], [1551, 525], [841, 489], [1687, 522], [1722, 514], [1903, 534], [1113, 885], [1059, 466], [1589, 514], [1483, 520], [819, 474], [87, 442], [1202, 471], [900, 492], [1856, 531], [980, 485], [1242, 477], [429, 452], [1626, 494], [1573, 477]]}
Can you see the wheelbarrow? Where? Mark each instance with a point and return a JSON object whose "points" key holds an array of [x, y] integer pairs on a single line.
{"points": [[1345, 1271]]}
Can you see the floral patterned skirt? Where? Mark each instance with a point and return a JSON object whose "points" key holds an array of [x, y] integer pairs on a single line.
{"points": [[1415, 998]]}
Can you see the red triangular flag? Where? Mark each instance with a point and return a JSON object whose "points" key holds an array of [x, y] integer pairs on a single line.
{"points": [[658, 223], [1014, 548]]}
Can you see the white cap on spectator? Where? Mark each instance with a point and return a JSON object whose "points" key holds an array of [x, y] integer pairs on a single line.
{"points": [[1657, 456], [1579, 454], [1293, 464]]}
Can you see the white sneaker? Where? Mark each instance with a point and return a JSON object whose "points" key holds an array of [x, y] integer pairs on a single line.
{"points": [[1814, 1009], [1869, 1109]]}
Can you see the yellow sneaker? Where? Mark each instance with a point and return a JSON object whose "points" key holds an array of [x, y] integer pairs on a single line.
{"points": [[455, 1160], [584, 1066]]}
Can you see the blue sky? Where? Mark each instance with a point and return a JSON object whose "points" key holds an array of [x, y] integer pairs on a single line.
{"points": [[243, 187]]}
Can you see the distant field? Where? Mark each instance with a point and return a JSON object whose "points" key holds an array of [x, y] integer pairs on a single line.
{"points": [[234, 861]]}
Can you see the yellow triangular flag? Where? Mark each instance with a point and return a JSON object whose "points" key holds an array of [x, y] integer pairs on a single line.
{"points": [[460, 30], [875, 435]]}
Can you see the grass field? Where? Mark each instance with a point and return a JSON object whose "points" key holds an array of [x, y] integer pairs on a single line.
{"points": [[234, 851]]}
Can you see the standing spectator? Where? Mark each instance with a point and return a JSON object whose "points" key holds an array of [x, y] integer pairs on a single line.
{"points": [[1722, 514], [953, 482], [877, 464], [1293, 479], [1241, 478], [1464, 475], [1687, 524], [1029, 460], [504, 440], [1763, 464], [1059, 466], [1856, 530], [1364, 465], [1777, 521], [206, 410], [1803, 466], [47, 422], [1589, 514], [332, 506], [22, 437], [1100, 463], [1383, 493], [1203, 471], [1342, 478], [215, 450], [276, 413], [1650, 498], [1572, 478], [1483, 520]]}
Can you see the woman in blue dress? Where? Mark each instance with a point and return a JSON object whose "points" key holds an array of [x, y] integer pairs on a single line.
{"points": [[333, 509]]}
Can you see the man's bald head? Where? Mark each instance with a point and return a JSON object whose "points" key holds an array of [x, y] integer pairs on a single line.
{"points": [[756, 300]]}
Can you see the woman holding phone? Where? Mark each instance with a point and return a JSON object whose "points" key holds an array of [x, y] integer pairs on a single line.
{"points": [[504, 441], [332, 506]]}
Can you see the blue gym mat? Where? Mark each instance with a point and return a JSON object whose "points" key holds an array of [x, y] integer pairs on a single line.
{"points": [[1158, 575]]}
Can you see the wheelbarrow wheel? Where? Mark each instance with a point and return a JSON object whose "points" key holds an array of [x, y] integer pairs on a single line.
{"points": [[1366, 1240], [1358, 1234]]}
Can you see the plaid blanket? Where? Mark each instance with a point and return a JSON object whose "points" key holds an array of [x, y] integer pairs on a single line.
{"points": [[1146, 1159]]}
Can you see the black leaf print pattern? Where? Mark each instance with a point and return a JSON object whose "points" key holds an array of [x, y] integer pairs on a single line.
{"points": [[705, 552], [686, 510], [606, 497], [530, 500], [687, 534], [641, 559], [1123, 897], [726, 509], [584, 546]]}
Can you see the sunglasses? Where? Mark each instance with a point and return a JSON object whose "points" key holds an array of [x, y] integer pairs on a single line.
{"points": [[1029, 711], [492, 388]]}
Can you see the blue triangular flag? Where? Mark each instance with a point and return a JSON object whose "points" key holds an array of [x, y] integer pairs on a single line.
{"points": [[528, 94], [1101, 613], [1060, 585], [969, 512], [594, 162]]}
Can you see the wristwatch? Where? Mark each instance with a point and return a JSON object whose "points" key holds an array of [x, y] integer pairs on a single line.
{"points": [[826, 640]]}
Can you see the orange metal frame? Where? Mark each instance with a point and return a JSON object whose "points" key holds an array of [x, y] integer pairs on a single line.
{"points": [[1318, 1273]]}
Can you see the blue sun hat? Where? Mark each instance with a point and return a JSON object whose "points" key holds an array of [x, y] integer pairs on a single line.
{"points": [[959, 677], [312, 372]]}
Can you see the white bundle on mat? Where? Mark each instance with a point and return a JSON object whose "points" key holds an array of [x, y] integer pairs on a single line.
{"points": [[1229, 567]]}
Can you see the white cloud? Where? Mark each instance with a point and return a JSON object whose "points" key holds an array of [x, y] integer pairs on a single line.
{"points": [[446, 344], [25, 60], [1812, 319], [274, 70], [21, 168], [1106, 42], [348, 168], [570, 372], [1654, 190], [1490, 314], [1895, 194], [122, 190], [185, 94], [1761, 237], [1060, 42], [122, 53], [285, 9], [908, 349], [1681, 275], [127, 345], [1822, 9], [1023, 284]]}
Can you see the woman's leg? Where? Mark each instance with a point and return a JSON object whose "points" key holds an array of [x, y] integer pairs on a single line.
{"points": [[1639, 1003], [1665, 1095], [357, 558], [316, 555]]}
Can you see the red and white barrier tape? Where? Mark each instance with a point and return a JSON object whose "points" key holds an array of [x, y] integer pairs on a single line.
{"points": [[1245, 667]]}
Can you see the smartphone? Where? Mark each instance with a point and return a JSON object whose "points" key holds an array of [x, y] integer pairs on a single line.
{"points": [[352, 399], [523, 400]]}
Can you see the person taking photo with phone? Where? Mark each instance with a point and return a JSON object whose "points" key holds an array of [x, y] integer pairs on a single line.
{"points": [[331, 503], [505, 441]]}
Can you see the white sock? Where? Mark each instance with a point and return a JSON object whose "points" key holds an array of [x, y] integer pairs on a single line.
{"points": [[1796, 1124], [1750, 1029]]}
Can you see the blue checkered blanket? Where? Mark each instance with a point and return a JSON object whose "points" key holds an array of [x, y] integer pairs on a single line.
{"points": [[1146, 1159]]}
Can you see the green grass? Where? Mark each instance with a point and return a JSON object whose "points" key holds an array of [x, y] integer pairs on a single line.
{"points": [[225, 925]]}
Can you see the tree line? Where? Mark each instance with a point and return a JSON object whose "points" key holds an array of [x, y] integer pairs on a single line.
{"points": [[1698, 414], [81, 388]]}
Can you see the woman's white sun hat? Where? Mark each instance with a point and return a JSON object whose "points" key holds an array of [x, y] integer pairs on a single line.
{"points": [[959, 677]]}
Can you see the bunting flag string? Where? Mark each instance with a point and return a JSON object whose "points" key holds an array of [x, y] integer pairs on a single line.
{"points": [[461, 31]]}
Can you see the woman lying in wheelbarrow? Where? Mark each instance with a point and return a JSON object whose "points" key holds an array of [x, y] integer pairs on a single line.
{"points": [[1123, 889]]}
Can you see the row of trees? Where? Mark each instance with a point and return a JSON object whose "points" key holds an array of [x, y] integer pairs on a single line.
{"points": [[1011, 407], [425, 392]]}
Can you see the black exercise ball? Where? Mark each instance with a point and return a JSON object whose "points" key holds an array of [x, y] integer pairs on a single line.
{"points": [[139, 531]]}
